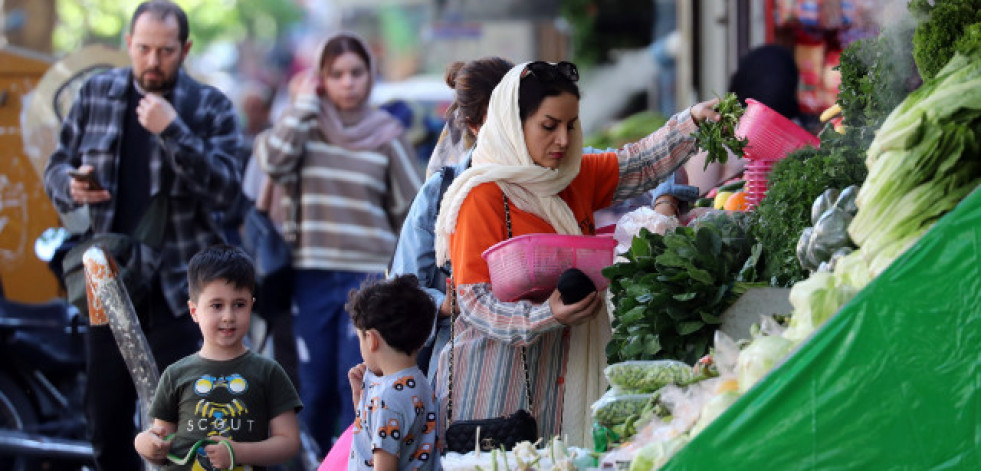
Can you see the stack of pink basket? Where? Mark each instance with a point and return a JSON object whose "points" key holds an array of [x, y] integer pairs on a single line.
{"points": [[771, 137]]}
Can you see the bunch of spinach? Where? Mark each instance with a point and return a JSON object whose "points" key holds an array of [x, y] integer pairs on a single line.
{"points": [[670, 293], [715, 137]]}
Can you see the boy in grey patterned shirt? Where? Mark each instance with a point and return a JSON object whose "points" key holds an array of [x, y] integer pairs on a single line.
{"points": [[395, 408]]}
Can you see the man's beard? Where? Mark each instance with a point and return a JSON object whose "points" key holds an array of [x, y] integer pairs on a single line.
{"points": [[157, 85]]}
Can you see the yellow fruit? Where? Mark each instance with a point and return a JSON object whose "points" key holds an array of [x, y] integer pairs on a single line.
{"points": [[720, 199]]}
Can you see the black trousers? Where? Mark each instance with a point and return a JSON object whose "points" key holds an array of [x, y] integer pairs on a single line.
{"points": [[110, 397]]}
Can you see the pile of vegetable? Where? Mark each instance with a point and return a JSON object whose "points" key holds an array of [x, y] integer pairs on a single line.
{"points": [[945, 27], [634, 397], [925, 159], [781, 217], [670, 292], [718, 137], [823, 244]]}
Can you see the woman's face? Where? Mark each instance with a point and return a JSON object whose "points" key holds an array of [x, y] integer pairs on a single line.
{"points": [[346, 81], [548, 130]]}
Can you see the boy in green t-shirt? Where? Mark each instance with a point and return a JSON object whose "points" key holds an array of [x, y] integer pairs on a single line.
{"points": [[224, 406]]}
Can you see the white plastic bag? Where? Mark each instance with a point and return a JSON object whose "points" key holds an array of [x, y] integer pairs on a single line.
{"points": [[629, 225]]}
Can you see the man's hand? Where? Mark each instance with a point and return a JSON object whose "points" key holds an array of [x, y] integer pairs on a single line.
{"points": [[575, 313], [218, 454], [82, 193], [155, 113], [150, 444]]}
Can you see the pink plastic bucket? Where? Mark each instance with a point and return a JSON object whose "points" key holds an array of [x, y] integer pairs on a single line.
{"points": [[528, 266], [771, 136]]}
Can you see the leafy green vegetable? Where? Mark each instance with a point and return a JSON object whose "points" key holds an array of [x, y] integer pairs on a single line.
{"points": [[794, 183], [670, 293], [876, 74], [925, 159], [715, 137], [942, 25]]}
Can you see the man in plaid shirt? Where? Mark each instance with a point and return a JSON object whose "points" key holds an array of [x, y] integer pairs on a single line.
{"points": [[141, 130]]}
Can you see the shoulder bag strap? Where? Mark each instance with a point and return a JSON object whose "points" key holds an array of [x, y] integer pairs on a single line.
{"points": [[453, 316], [524, 350]]}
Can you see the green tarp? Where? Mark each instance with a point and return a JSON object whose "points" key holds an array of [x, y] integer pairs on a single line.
{"points": [[893, 381]]}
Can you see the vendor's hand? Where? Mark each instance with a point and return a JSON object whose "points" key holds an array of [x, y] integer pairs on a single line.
{"points": [[80, 191], [575, 313], [705, 111], [218, 455], [667, 205], [151, 445], [155, 113]]}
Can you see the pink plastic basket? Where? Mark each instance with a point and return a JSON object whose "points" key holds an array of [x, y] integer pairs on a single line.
{"points": [[771, 136], [528, 266]]}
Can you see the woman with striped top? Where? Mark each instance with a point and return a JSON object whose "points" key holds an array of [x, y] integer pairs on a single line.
{"points": [[528, 156], [357, 176]]}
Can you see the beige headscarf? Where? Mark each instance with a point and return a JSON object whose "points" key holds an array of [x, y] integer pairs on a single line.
{"points": [[501, 156]]}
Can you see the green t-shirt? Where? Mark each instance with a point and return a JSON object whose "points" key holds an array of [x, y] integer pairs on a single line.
{"points": [[234, 398]]}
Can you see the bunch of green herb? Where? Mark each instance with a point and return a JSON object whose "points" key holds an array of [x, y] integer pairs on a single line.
{"points": [[715, 137], [876, 75], [670, 293], [794, 183], [944, 27]]}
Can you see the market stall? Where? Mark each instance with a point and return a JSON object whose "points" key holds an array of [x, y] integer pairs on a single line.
{"points": [[874, 230]]}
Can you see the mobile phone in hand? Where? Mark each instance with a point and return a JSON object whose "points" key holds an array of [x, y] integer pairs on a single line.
{"points": [[88, 177]]}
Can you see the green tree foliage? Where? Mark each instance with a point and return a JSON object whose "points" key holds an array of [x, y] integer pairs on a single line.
{"points": [[106, 21]]}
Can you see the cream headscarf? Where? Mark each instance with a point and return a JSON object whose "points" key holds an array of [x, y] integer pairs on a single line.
{"points": [[501, 156]]}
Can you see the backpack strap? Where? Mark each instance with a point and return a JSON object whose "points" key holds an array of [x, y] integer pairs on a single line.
{"points": [[447, 174]]}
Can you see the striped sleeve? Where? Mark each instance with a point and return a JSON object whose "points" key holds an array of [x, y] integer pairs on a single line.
{"points": [[647, 162], [518, 323], [280, 150], [404, 181]]}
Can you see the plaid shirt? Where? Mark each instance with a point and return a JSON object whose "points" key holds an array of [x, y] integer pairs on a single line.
{"points": [[200, 146]]}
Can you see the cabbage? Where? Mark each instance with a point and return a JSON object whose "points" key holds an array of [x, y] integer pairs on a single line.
{"points": [[713, 408], [757, 359], [654, 455]]}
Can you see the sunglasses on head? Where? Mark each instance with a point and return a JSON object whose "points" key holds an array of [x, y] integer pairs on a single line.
{"points": [[552, 72]]}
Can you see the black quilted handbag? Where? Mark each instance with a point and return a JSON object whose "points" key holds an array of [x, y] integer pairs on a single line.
{"points": [[507, 431]]}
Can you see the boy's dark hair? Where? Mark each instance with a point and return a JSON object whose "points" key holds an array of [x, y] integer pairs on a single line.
{"points": [[161, 9], [220, 262], [397, 308]]}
